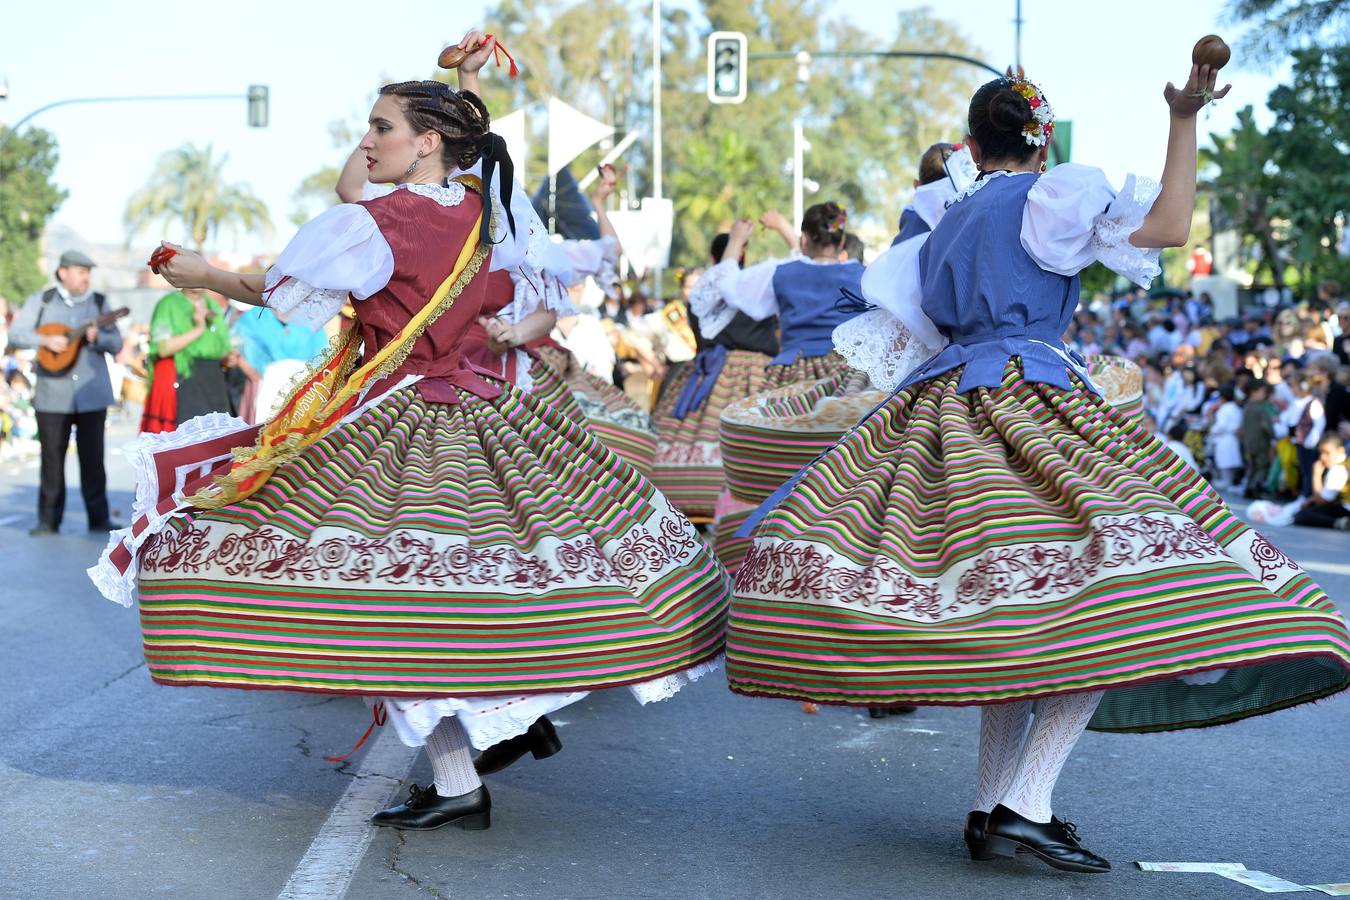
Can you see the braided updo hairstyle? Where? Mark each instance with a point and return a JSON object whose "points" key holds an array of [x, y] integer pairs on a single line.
{"points": [[459, 117], [997, 117], [824, 224]]}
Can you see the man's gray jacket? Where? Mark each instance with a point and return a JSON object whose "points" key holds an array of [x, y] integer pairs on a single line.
{"points": [[86, 386]]}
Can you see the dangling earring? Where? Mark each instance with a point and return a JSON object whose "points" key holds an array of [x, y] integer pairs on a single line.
{"points": [[1042, 167], [413, 167]]}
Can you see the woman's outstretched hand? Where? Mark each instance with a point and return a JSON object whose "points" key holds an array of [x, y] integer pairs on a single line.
{"points": [[1199, 90], [184, 269]]}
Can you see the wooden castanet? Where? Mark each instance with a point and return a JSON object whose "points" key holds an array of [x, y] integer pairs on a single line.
{"points": [[53, 363]]}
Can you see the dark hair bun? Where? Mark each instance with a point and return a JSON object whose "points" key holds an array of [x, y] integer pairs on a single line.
{"points": [[997, 119], [1009, 111], [824, 224]]}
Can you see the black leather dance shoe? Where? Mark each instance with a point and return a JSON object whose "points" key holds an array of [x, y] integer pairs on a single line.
{"points": [[976, 841], [881, 712], [541, 741], [1055, 842], [426, 810]]}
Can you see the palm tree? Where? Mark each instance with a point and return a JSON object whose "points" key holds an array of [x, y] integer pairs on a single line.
{"points": [[187, 188]]}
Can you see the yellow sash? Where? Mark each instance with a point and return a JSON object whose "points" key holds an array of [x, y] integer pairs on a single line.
{"points": [[329, 393]]}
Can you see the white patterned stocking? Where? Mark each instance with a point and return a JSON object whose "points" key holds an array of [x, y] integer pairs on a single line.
{"points": [[1058, 723], [451, 759], [1003, 729]]}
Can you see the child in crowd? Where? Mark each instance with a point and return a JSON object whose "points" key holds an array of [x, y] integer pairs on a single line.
{"points": [[1258, 437]]}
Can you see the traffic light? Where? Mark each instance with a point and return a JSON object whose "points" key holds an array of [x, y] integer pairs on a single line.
{"points": [[726, 67], [257, 105]]}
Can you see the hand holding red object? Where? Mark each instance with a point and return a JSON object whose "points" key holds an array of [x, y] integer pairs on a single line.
{"points": [[473, 50], [160, 257]]}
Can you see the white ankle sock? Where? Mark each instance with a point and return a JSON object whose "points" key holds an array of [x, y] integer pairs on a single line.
{"points": [[1003, 729], [451, 759], [1058, 723]]}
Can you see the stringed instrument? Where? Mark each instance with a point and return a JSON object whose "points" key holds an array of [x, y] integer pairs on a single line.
{"points": [[53, 363]]}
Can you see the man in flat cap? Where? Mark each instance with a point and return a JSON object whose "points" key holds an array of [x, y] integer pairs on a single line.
{"points": [[76, 398]]}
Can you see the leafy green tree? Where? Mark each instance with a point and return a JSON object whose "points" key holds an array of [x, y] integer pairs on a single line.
{"points": [[1279, 27], [315, 194], [1311, 148], [28, 198], [1245, 185], [188, 189], [868, 120]]}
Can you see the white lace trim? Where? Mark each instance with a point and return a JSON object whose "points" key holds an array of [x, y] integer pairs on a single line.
{"points": [[305, 304], [535, 288], [491, 720], [119, 586], [974, 186], [706, 301], [664, 688], [1111, 232], [488, 720], [451, 194], [878, 344]]}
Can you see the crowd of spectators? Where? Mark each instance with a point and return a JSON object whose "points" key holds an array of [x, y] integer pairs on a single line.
{"points": [[1257, 402]]}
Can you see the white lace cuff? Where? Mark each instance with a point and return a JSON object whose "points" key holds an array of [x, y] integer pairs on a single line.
{"points": [[300, 302], [706, 300], [1112, 229], [536, 289], [879, 344]]}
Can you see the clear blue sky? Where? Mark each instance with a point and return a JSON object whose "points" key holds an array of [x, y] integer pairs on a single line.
{"points": [[1104, 70]]}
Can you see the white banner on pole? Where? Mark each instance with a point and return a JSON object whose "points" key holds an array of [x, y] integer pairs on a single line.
{"points": [[570, 133], [512, 129], [645, 233]]}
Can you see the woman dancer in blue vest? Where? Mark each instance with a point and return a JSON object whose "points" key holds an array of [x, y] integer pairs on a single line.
{"points": [[995, 534], [802, 291]]}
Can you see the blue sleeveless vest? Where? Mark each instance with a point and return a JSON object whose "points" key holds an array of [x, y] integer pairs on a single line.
{"points": [[808, 294], [987, 295], [911, 225]]}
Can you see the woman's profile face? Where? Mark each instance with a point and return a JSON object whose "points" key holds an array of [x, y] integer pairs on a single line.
{"points": [[389, 143]]}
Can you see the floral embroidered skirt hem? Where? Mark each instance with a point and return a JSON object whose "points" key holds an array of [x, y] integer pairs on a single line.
{"points": [[618, 422], [1019, 542], [769, 437], [688, 456], [422, 550]]}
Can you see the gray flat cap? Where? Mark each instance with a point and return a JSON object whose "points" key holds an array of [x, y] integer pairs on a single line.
{"points": [[75, 258]]}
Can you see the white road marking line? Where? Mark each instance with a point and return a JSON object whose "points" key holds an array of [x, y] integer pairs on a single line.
{"points": [[327, 868], [1329, 568]]}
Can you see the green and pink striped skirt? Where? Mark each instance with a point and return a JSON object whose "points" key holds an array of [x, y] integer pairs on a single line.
{"points": [[1019, 542], [767, 438], [486, 548], [688, 456], [610, 414]]}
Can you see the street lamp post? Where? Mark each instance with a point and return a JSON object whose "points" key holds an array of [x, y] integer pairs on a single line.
{"points": [[799, 144], [256, 97]]}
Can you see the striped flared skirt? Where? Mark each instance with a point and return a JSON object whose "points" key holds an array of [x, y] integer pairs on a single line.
{"points": [[765, 439], [1018, 542], [612, 416], [484, 548], [688, 454]]}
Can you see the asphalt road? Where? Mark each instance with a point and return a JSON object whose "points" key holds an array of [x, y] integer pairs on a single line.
{"points": [[113, 787]]}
